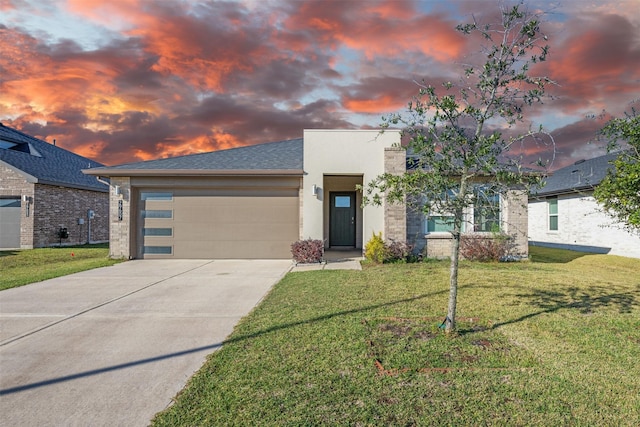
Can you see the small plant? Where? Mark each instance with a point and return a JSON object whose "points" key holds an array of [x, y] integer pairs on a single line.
{"points": [[485, 248], [375, 250], [307, 251], [399, 252]]}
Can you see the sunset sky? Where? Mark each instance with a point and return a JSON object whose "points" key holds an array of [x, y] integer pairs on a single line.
{"points": [[121, 81]]}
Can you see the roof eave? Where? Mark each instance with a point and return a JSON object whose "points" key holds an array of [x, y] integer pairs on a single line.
{"points": [[563, 191], [192, 172], [104, 189]]}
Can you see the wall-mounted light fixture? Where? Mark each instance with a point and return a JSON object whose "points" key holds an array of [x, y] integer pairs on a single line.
{"points": [[27, 201], [116, 190]]}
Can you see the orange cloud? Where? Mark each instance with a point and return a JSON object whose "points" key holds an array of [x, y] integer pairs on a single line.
{"points": [[380, 104], [217, 140], [379, 28]]}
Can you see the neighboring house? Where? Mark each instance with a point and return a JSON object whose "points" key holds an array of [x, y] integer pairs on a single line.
{"points": [[43, 190], [564, 214], [255, 201]]}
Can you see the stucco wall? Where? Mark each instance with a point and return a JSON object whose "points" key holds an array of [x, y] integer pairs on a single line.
{"points": [[342, 152], [581, 226]]}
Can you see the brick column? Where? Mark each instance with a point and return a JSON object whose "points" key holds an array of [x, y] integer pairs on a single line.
{"points": [[395, 214], [120, 229], [515, 219]]}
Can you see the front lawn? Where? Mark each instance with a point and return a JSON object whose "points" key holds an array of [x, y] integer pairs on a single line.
{"points": [[19, 268], [540, 343]]}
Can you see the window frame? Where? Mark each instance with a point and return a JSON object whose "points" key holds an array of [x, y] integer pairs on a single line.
{"points": [[494, 207], [553, 201]]}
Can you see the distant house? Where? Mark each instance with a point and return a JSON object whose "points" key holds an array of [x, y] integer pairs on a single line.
{"points": [[255, 201], [564, 213], [43, 190]]}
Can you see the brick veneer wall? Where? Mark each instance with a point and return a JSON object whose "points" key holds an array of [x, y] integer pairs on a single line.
{"points": [[395, 217], [515, 220], [55, 207], [120, 229], [514, 216], [15, 185]]}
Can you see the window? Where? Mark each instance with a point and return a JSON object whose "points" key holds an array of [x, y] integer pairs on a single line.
{"points": [[552, 203], [10, 202], [157, 231], [157, 214], [158, 250], [484, 215], [156, 196], [343, 201], [486, 212], [439, 223]]}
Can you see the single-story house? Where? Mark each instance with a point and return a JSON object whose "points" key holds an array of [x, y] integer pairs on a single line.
{"points": [[255, 201], [43, 191], [564, 214]]}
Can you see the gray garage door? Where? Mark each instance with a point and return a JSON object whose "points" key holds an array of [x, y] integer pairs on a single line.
{"points": [[222, 223], [10, 223]]}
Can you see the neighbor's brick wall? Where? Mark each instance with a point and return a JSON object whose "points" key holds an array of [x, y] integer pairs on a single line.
{"points": [[55, 207], [395, 217], [15, 185]]}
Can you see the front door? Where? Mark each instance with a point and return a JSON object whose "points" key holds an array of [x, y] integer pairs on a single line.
{"points": [[342, 219]]}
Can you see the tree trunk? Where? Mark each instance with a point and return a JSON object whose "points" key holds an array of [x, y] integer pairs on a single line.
{"points": [[450, 322]]}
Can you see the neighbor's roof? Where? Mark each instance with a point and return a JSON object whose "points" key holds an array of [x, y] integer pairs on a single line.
{"points": [[44, 163], [580, 176], [273, 158]]}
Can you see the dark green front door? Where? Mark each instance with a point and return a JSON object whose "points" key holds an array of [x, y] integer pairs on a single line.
{"points": [[342, 219]]}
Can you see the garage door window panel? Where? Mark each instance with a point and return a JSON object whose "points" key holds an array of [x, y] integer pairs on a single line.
{"points": [[153, 232], [156, 196], [157, 213], [158, 250]]}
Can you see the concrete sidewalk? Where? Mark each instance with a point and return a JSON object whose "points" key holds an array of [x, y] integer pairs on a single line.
{"points": [[113, 346], [334, 260]]}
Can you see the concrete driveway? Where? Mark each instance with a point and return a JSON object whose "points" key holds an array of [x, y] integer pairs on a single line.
{"points": [[112, 346]]}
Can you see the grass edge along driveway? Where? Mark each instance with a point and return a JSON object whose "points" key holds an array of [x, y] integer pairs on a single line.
{"points": [[551, 342], [18, 268]]}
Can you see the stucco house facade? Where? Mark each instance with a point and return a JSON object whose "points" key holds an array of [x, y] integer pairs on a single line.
{"points": [[43, 190], [255, 201], [564, 213]]}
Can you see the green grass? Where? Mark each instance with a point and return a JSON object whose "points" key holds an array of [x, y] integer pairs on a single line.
{"points": [[539, 343], [19, 268]]}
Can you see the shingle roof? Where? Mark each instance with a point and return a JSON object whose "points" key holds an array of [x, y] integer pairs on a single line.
{"points": [[45, 163], [582, 175], [272, 156]]}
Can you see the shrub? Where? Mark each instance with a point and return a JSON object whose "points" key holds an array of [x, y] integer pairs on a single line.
{"points": [[485, 248], [379, 251], [375, 250], [307, 251], [399, 251]]}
